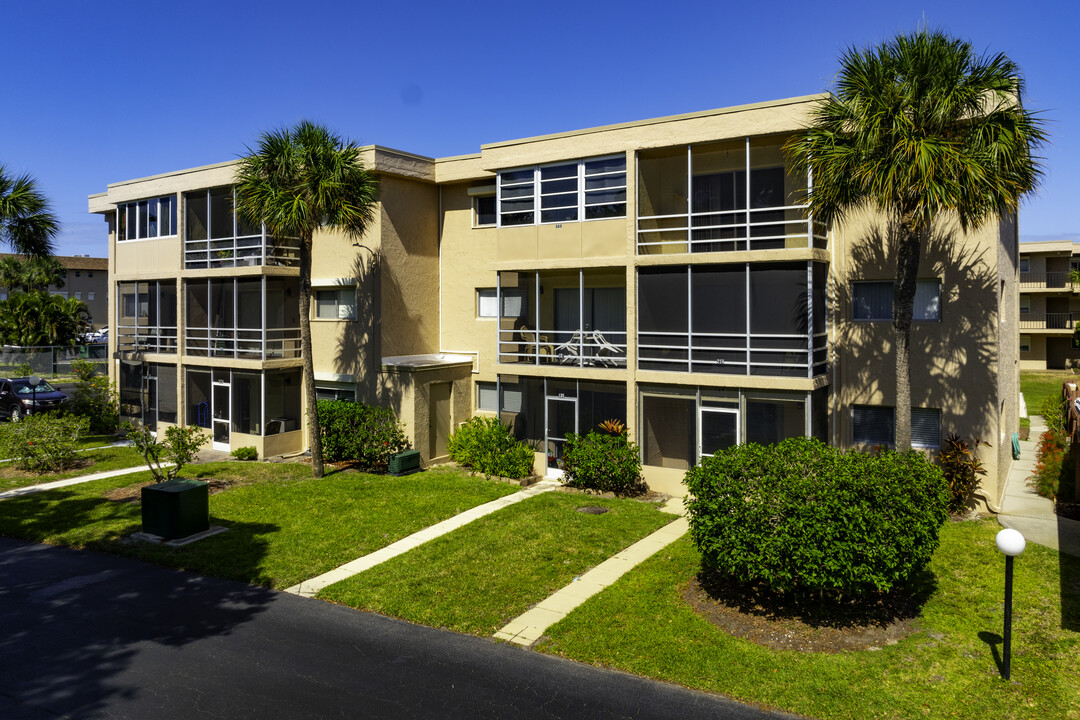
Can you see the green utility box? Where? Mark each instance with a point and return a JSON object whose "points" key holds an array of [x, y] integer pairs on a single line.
{"points": [[176, 509], [406, 462]]}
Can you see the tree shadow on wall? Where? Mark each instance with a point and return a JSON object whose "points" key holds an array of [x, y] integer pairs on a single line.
{"points": [[953, 362]]}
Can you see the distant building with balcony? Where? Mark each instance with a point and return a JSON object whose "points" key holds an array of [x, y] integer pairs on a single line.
{"points": [[85, 278], [664, 273], [1049, 304]]}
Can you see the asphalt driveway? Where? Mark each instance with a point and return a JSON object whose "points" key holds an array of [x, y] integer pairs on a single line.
{"points": [[93, 636]]}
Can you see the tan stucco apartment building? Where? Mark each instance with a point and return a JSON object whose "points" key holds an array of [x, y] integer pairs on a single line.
{"points": [[661, 272], [1049, 304]]}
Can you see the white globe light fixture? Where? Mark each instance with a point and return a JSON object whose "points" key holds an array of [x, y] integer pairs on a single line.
{"points": [[1011, 543]]}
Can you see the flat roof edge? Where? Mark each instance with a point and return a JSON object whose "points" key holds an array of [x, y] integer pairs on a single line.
{"points": [[656, 121]]}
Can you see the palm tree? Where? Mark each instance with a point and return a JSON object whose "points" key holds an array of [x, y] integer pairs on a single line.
{"points": [[299, 180], [916, 128], [27, 223]]}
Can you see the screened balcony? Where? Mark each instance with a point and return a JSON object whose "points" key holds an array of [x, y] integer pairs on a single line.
{"points": [[215, 237], [696, 199], [737, 319], [575, 318], [248, 318], [146, 316]]}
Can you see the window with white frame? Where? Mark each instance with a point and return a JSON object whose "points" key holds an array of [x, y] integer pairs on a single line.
{"points": [[142, 219], [335, 391], [487, 303], [484, 211], [589, 189], [1025, 343], [873, 300], [876, 425], [90, 295], [336, 304], [487, 396]]}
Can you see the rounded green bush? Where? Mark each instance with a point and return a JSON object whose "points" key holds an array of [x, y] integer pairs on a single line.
{"points": [[365, 434], [801, 517], [603, 461], [488, 446]]}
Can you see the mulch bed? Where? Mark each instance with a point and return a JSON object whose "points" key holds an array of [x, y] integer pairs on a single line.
{"points": [[11, 472], [785, 625]]}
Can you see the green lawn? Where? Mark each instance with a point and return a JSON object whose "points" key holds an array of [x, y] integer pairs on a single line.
{"points": [[102, 460], [943, 670], [284, 526], [481, 576], [1036, 385]]}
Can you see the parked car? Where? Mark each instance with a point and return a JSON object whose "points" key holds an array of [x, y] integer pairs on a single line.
{"points": [[19, 398]]}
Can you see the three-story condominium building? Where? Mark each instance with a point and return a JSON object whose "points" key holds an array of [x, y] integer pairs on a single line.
{"points": [[664, 273], [1049, 305]]}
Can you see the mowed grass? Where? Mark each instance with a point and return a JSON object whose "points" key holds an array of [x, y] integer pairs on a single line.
{"points": [[283, 525], [101, 459], [946, 669], [479, 577], [1037, 385]]}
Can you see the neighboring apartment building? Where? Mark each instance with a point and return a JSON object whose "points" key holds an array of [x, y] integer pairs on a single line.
{"points": [[663, 273], [1049, 304], [86, 279]]}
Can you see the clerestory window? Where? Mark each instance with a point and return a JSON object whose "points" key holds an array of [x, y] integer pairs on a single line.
{"points": [[590, 189]]}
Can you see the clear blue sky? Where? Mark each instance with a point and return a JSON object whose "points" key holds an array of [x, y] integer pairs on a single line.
{"points": [[100, 92]]}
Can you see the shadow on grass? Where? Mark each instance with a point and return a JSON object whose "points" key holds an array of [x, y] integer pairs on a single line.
{"points": [[872, 610], [1069, 579], [993, 640]]}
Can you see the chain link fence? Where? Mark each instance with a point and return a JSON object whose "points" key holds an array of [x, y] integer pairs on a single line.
{"points": [[51, 360]]}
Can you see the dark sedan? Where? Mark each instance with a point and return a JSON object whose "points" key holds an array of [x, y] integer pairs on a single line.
{"points": [[19, 398]]}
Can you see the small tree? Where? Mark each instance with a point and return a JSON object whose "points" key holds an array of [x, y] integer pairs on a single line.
{"points": [[94, 398], [178, 448]]}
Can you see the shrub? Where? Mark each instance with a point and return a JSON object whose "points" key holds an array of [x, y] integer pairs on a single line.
{"points": [[488, 446], [1054, 467], [807, 519], [961, 465], [94, 398], [24, 369], [360, 433], [1055, 412], [178, 447], [43, 443], [605, 461], [246, 453]]}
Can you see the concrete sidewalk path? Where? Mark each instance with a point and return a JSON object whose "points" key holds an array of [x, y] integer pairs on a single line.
{"points": [[31, 489], [1032, 515], [528, 627], [311, 587]]}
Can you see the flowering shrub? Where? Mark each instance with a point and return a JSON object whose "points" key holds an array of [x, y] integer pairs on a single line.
{"points": [[1053, 466], [606, 461], [43, 443]]}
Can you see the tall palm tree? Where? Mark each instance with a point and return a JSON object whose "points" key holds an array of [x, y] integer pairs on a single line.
{"points": [[916, 128], [297, 181], [27, 223]]}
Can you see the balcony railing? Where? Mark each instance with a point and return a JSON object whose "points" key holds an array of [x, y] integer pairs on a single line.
{"points": [[767, 228], [1049, 321], [245, 344], [241, 251], [574, 348], [787, 355], [1037, 280], [146, 339]]}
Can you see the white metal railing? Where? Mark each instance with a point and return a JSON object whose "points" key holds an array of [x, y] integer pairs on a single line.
{"points": [[727, 230], [145, 338], [577, 348], [243, 343], [733, 353], [241, 251]]}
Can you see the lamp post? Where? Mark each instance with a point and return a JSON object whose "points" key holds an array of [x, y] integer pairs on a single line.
{"points": [[34, 381], [1011, 543]]}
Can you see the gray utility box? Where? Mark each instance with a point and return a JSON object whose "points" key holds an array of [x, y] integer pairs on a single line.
{"points": [[176, 509], [406, 462]]}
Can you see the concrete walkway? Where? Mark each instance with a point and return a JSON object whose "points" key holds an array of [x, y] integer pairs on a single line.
{"points": [[31, 489], [311, 587], [528, 627], [1024, 510]]}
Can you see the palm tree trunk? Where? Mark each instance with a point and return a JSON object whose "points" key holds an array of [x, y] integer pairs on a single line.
{"points": [[314, 432], [907, 273]]}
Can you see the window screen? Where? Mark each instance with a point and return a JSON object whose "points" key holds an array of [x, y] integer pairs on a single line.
{"points": [[487, 396]]}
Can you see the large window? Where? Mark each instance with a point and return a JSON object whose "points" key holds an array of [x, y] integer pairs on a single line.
{"points": [[146, 316], [876, 425], [564, 192], [737, 319], [874, 300], [144, 219]]}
